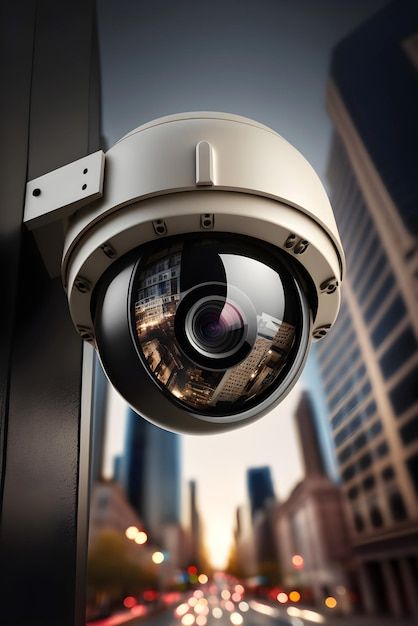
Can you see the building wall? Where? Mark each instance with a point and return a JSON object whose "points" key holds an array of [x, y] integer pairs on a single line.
{"points": [[369, 361]]}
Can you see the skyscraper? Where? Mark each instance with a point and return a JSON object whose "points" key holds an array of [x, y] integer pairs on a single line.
{"points": [[369, 361], [152, 474], [260, 488], [308, 437]]}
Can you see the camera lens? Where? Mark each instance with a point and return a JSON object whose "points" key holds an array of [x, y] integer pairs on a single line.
{"points": [[215, 327], [219, 321]]}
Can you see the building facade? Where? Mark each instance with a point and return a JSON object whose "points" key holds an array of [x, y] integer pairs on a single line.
{"points": [[369, 361], [311, 530]]}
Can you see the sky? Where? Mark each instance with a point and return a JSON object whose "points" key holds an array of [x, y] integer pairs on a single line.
{"points": [[265, 59]]}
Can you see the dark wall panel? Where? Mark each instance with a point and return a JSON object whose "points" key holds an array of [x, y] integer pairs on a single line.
{"points": [[49, 117]]}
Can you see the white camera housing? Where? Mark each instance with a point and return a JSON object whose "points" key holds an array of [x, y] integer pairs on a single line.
{"points": [[204, 173]]}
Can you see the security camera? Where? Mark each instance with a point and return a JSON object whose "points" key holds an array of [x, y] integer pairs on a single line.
{"points": [[204, 269]]}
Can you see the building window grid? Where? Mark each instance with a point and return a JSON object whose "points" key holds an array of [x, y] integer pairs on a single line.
{"points": [[346, 189], [356, 421], [341, 327], [349, 209], [358, 238], [375, 287], [366, 279], [342, 342], [378, 302], [392, 314], [352, 379], [356, 396], [375, 255], [372, 457], [358, 264], [409, 364], [403, 395], [389, 341], [350, 361], [362, 439], [356, 225], [337, 355], [390, 297]]}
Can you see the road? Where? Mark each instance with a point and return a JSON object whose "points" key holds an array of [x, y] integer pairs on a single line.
{"points": [[215, 605], [249, 618]]}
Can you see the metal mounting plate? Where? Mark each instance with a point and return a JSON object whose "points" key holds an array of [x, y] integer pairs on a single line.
{"points": [[59, 193]]}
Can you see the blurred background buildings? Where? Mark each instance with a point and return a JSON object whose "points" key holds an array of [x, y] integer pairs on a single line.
{"points": [[369, 362]]}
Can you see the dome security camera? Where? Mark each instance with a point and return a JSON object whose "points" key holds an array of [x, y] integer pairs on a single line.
{"points": [[205, 271]]}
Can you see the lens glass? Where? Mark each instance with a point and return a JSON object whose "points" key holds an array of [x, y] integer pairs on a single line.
{"points": [[217, 319]]}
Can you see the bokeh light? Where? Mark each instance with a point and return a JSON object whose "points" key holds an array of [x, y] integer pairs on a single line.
{"points": [[236, 618], [203, 579], [294, 596], [225, 594], [297, 561], [182, 609], [129, 602], [217, 612], [131, 532], [244, 606], [158, 558], [201, 620], [141, 537], [282, 597], [330, 602], [187, 620]]}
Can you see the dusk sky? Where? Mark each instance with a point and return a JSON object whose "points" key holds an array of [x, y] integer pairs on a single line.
{"points": [[164, 57]]}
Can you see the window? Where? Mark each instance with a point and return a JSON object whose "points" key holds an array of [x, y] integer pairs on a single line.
{"points": [[368, 483], [405, 393], [388, 473], [352, 493], [376, 516], [358, 522], [379, 298], [412, 465], [379, 265], [382, 450], [397, 506], [399, 352], [390, 319]]}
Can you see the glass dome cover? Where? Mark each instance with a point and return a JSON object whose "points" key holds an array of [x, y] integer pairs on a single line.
{"points": [[217, 320]]}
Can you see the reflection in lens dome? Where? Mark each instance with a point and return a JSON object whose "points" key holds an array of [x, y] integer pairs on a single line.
{"points": [[215, 325]]}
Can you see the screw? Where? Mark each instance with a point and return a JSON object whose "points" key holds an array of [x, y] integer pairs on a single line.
{"points": [[290, 241], [36, 192], [82, 284], [109, 250], [160, 227], [207, 220], [321, 331], [329, 286]]}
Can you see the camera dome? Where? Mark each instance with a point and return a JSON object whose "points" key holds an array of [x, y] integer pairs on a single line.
{"points": [[220, 326]]}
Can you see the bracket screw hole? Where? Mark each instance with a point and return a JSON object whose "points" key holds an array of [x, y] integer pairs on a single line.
{"points": [[85, 170], [84, 186], [36, 192]]}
